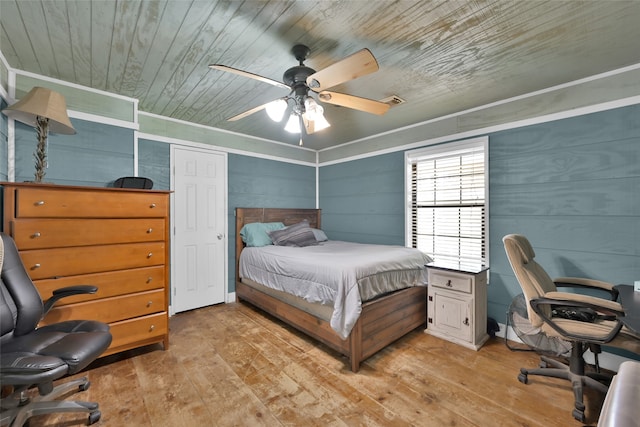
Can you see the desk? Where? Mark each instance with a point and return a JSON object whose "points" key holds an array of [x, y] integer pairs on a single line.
{"points": [[630, 301]]}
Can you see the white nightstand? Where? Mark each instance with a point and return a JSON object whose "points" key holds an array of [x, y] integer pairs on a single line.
{"points": [[457, 304]]}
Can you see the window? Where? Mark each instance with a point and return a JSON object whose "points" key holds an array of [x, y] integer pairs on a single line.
{"points": [[447, 208]]}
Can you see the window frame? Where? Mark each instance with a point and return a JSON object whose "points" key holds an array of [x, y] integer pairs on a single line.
{"points": [[431, 151]]}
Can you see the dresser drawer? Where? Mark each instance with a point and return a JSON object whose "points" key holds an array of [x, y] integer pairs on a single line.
{"points": [[110, 310], [63, 203], [62, 262], [52, 233], [111, 283], [451, 281], [135, 332]]}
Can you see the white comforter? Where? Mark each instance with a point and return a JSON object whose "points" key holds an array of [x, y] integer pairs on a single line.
{"points": [[341, 274]]}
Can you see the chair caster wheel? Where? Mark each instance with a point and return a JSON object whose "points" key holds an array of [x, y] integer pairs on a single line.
{"points": [[84, 386], [579, 415], [94, 417], [523, 378]]}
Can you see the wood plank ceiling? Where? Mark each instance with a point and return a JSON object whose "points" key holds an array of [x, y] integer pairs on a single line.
{"points": [[440, 56]]}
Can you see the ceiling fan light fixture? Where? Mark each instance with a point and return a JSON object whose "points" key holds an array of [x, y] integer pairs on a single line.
{"points": [[276, 109], [315, 125], [314, 115], [312, 109], [293, 124], [320, 123], [305, 116]]}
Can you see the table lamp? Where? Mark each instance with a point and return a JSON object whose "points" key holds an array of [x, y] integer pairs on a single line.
{"points": [[45, 110]]}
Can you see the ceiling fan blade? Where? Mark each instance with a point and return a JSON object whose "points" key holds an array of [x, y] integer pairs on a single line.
{"points": [[353, 66], [248, 74], [355, 102], [247, 113]]}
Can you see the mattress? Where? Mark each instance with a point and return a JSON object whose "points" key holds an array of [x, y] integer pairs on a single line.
{"points": [[337, 274]]}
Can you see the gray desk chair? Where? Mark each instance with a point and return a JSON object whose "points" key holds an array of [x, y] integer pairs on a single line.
{"points": [[546, 307], [36, 357]]}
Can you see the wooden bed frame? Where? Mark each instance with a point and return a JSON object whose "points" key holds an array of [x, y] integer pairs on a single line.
{"points": [[381, 322]]}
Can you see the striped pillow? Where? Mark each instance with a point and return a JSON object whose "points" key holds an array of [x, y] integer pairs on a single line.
{"points": [[299, 234]]}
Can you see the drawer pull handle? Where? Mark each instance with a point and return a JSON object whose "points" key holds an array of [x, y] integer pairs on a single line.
{"points": [[39, 203], [150, 230], [149, 303], [36, 235], [151, 328], [449, 283], [150, 254], [466, 321], [35, 266], [153, 205], [149, 279]]}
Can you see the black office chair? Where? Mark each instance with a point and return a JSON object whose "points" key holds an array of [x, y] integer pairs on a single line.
{"points": [[36, 357]]}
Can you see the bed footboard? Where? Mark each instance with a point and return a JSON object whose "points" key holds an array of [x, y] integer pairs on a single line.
{"points": [[382, 321]]}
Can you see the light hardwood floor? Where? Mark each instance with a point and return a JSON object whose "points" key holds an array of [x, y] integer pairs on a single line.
{"points": [[232, 365]]}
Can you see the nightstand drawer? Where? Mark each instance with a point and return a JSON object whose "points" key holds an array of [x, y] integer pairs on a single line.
{"points": [[451, 281]]}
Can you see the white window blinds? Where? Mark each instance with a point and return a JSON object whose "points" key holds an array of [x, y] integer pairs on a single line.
{"points": [[448, 211]]}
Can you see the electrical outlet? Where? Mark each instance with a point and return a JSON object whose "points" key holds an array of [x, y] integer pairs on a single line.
{"points": [[636, 285]]}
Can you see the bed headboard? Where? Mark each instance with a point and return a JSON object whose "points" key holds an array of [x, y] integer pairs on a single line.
{"points": [[284, 215]]}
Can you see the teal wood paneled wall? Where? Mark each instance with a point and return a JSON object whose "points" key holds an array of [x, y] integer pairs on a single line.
{"points": [[362, 200], [154, 163], [255, 182], [572, 186], [95, 156]]}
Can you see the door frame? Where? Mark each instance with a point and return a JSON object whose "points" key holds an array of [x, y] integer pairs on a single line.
{"points": [[202, 149]]}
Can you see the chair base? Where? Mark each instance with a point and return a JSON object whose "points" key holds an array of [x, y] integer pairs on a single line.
{"points": [[16, 410], [573, 372]]}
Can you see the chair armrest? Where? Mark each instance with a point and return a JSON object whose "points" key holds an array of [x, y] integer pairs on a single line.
{"points": [[67, 292], [602, 306], [579, 282], [579, 300]]}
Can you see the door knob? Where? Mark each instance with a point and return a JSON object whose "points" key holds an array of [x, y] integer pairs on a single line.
{"points": [[220, 236]]}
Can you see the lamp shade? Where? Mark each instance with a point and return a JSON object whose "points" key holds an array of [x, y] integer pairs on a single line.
{"points": [[293, 124], [275, 109], [42, 102], [313, 117]]}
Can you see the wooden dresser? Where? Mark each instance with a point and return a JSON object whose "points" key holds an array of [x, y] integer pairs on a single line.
{"points": [[116, 239]]}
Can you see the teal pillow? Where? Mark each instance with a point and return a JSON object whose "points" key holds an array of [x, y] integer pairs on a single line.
{"points": [[256, 233]]}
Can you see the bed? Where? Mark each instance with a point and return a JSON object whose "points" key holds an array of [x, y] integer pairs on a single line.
{"points": [[380, 321]]}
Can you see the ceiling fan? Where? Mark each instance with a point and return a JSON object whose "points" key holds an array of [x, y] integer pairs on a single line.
{"points": [[302, 81]]}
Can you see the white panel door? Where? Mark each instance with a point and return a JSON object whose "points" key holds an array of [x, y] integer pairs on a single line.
{"points": [[199, 239]]}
